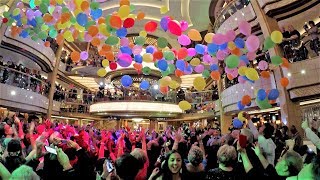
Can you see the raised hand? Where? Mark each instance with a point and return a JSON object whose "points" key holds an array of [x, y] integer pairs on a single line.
{"points": [[73, 144], [63, 159]]}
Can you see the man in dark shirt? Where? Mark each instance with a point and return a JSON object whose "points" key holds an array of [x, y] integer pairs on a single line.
{"points": [[294, 36]]}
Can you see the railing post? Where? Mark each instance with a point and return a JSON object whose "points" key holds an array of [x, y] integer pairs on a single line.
{"points": [[53, 80]]}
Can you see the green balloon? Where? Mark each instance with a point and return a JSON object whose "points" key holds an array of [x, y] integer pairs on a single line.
{"points": [[53, 33], [43, 8], [6, 14], [112, 40], [132, 8], [46, 2], [90, 23], [162, 42], [169, 55], [111, 30], [140, 40], [65, 9], [39, 20], [108, 19], [34, 38], [146, 70], [232, 61], [165, 73], [43, 35], [276, 60], [188, 58], [171, 68], [73, 20], [268, 43], [94, 5], [10, 21], [206, 73], [263, 104]]}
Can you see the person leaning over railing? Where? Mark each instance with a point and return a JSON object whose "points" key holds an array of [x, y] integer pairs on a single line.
{"points": [[314, 33]]}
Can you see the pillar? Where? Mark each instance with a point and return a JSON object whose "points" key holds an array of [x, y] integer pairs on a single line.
{"points": [[290, 111], [118, 124], [153, 125], [53, 80], [225, 120]]}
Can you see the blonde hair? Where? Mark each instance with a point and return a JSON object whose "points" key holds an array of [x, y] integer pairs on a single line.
{"points": [[226, 155], [24, 173]]}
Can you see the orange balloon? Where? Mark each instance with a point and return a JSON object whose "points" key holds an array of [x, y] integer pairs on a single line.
{"points": [[285, 63], [158, 55], [106, 47], [75, 56], [215, 75], [53, 2], [236, 51], [47, 18], [65, 17], [230, 77], [284, 82], [178, 73], [246, 99], [59, 39], [272, 101], [47, 44], [95, 41], [115, 21], [164, 89], [85, 5], [131, 45], [140, 15], [101, 20], [137, 66], [124, 2], [109, 55], [93, 30], [101, 52], [265, 74]]}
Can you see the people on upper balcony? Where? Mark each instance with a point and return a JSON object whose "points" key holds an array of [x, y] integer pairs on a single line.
{"points": [[314, 33], [294, 38]]}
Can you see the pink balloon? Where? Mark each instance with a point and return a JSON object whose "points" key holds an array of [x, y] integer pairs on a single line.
{"points": [[221, 55], [199, 68], [136, 50], [20, 5], [191, 52], [174, 27], [252, 43], [251, 55], [241, 80], [124, 41], [219, 39], [124, 60], [214, 60], [87, 37], [57, 12], [245, 28], [228, 70], [234, 72], [242, 63], [84, 55], [184, 25], [184, 40], [207, 59], [231, 35], [263, 65]]}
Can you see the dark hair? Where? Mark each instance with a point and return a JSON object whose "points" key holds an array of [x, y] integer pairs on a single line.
{"points": [[127, 167], [12, 162], [312, 22], [268, 130], [165, 171]]}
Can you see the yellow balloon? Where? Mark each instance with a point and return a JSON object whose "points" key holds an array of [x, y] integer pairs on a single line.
{"points": [[184, 105], [102, 72], [16, 11], [164, 9], [143, 33], [276, 37], [124, 11], [59, 1], [37, 2], [252, 74], [199, 83], [240, 116], [76, 12], [103, 29], [242, 70], [195, 62], [67, 35], [208, 37], [165, 81], [105, 63], [194, 35], [174, 84], [79, 28], [133, 16], [24, 20], [231, 45], [147, 57], [78, 3]]}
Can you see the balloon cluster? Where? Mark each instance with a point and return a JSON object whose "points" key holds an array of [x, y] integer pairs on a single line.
{"points": [[82, 20]]}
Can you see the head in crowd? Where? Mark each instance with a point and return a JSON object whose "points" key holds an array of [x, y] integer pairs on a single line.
{"points": [[247, 133], [226, 155], [311, 23], [309, 171], [289, 164], [268, 130], [142, 157], [172, 165], [195, 156], [14, 158], [127, 167], [24, 173]]}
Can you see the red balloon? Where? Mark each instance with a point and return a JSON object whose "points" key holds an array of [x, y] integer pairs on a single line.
{"points": [[182, 53], [113, 66], [5, 20], [150, 26], [128, 23], [174, 27]]}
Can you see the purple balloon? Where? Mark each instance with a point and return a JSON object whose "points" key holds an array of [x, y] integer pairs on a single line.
{"points": [[219, 39], [263, 65], [30, 14], [241, 80], [124, 41], [124, 60], [252, 43], [184, 40], [245, 28], [164, 23], [207, 59], [37, 13], [199, 68], [136, 49], [84, 55], [192, 52]]}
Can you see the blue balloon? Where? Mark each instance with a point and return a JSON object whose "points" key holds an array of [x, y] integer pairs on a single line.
{"points": [[223, 46], [144, 85], [261, 94], [212, 48], [245, 59], [126, 81], [180, 64], [126, 50], [32, 22], [188, 70], [273, 94], [150, 49], [164, 23], [82, 19], [24, 34], [240, 106], [138, 58], [239, 42], [95, 14], [249, 104], [122, 32], [214, 67], [162, 65], [200, 49], [237, 124]]}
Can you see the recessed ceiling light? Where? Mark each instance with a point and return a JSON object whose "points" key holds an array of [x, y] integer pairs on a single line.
{"points": [[13, 93], [289, 74], [303, 71]]}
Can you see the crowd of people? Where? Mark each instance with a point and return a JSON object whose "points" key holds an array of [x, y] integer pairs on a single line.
{"points": [[44, 150]]}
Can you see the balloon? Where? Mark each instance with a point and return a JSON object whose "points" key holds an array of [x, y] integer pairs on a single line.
{"points": [[75, 56], [285, 63], [144, 85], [214, 67], [261, 94], [240, 116], [143, 33], [237, 124], [85, 5], [195, 62], [124, 60], [169, 55], [251, 55], [184, 105], [136, 50], [241, 80], [184, 25], [284, 82], [138, 58], [199, 68], [124, 11], [246, 99], [182, 53], [126, 50], [164, 89], [264, 104], [240, 106], [84, 55], [276, 60], [265, 74], [194, 35], [82, 19], [164, 23], [140, 40], [232, 61], [105, 63], [174, 27], [158, 55], [219, 39], [184, 40], [205, 73], [200, 48], [268, 43], [113, 66], [245, 28], [208, 37], [239, 42], [191, 52], [112, 40], [162, 42], [96, 14], [162, 65], [146, 70], [126, 81], [140, 15], [164, 9], [174, 84], [47, 44], [115, 21], [276, 37], [215, 75], [128, 23], [230, 35], [252, 43], [263, 65], [150, 26], [199, 83], [124, 2], [102, 72], [245, 59], [223, 46], [242, 70], [273, 94], [147, 57], [122, 32], [212, 48], [221, 55], [252, 74]]}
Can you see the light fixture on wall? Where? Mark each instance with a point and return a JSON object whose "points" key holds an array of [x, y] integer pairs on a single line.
{"points": [[137, 119]]}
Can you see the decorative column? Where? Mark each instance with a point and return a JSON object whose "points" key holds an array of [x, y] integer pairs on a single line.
{"points": [[53, 79], [225, 120]]}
